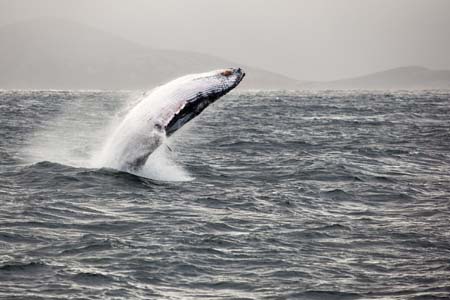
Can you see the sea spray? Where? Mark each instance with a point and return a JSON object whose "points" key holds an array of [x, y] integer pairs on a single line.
{"points": [[162, 165], [76, 133]]}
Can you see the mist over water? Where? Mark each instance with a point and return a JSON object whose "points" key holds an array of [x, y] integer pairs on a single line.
{"points": [[289, 195]]}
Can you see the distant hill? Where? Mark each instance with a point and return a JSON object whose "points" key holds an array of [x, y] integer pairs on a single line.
{"points": [[59, 54], [400, 78]]}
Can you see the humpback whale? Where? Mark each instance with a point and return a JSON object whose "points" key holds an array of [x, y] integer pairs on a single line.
{"points": [[161, 113]]}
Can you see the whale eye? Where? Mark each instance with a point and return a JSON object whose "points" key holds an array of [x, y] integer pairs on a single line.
{"points": [[227, 73]]}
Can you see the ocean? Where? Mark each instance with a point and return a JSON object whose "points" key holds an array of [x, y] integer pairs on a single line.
{"points": [[265, 195]]}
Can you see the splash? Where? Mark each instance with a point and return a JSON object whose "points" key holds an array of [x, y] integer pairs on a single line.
{"points": [[162, 165], [77, 133]]}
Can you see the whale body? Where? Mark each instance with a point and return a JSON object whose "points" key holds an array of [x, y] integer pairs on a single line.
{"points": [[161, 113]]}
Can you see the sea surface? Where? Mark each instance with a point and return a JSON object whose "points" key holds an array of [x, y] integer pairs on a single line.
{"points": [[265, 195]]}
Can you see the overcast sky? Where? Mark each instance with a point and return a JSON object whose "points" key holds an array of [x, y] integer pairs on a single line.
{"points": [[304, 39]]}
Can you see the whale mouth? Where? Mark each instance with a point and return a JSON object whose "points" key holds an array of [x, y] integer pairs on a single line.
{"points": [[220, 83]]}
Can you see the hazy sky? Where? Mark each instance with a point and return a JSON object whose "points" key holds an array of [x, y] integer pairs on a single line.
{"points": [[304, 39]]}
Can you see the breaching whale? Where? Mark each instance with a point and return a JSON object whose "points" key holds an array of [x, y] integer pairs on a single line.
{"points": [[161, 113]]}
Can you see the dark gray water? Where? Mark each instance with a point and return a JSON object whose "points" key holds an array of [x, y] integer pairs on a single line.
{"points": [[332, 195]]}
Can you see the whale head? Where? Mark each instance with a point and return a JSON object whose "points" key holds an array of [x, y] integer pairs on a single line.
{"points": [[196, 92]]}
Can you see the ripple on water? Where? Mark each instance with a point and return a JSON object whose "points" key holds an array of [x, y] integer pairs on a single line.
{"points": [[266, 195]]}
